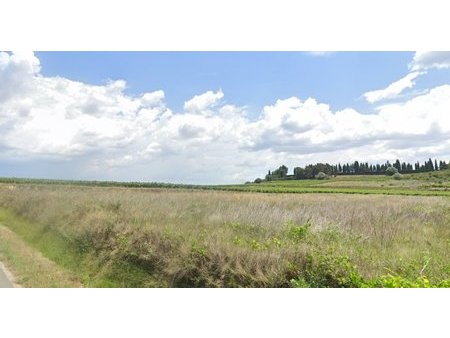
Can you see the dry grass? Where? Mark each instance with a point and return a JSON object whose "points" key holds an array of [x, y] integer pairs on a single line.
{"points": [[157, 237]]}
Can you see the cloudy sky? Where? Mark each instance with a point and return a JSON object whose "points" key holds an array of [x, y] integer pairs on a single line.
{"points": [[204, 117]]}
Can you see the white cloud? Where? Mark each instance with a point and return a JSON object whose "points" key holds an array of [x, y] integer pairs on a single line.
{"points": [[16, 73], [310, 131], [100, 132], [153, 99], [394, 89], [200, 103], [429, 60]]}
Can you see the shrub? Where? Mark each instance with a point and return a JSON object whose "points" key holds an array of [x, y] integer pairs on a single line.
{"points": [[397, 176], [297, 232], [391, 171], [326, 270], [394, 281], [321, 176], [258, 180]]}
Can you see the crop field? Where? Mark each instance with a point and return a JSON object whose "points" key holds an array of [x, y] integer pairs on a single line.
{"points": [[421, 184], [365, 231]]}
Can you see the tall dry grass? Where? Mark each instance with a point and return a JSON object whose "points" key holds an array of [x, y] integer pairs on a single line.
{"points": [[157, 237]]}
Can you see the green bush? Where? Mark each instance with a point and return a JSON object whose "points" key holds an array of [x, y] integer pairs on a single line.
{"points": [[391, 171], [397, 176], [328, 271], [297, 232], [391, 281], [321, 176]]}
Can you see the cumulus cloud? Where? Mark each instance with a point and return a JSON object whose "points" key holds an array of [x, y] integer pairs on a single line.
{"points": [[429, 60], [394, 89], [305, 127], [200, 103], [16, 73], [100, 132], [58, 116]]}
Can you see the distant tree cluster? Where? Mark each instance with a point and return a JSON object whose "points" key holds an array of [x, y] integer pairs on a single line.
{"points": [[356, 168]]}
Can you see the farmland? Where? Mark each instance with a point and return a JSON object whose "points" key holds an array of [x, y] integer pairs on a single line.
{"points": [[347, 231], [421, 184]]}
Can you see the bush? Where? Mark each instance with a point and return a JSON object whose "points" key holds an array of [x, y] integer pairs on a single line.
{"points": [[297, 232], [391, 281], [391, 171], [321, 176], [258, 180], [326, 270], [397, 176]]}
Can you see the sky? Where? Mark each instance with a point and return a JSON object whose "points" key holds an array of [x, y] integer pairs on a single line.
{"points": [[217, 117]]}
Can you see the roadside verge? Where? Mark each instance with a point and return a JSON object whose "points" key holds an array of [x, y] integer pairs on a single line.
{"points": [[29, 267]]}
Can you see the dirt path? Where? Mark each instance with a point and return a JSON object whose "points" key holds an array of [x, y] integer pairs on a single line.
{"points": [[4, 279]]}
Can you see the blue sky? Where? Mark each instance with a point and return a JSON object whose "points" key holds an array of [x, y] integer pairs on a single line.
{"points": [[223, 117], [254, 79]]}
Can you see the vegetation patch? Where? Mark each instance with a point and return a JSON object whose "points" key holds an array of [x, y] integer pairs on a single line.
{"points": [[29, 266], [114, 237]]}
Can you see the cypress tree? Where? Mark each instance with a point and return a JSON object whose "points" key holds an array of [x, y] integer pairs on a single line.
{"points": [[430, 165]]}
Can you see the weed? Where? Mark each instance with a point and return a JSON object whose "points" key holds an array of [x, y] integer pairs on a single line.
{"points": [[395, 281], [327, 270], [198, 251], [297, 232], [255, 245]]}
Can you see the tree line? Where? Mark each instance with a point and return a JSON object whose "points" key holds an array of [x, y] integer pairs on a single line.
{"points": [[355, 168]]}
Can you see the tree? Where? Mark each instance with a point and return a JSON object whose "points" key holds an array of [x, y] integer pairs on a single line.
{"points": [[430, 166], [299, 173], [312, 170], [404, 166], [283, 170]]}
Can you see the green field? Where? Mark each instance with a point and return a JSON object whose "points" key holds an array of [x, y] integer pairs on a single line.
{"points": [[419, 184], [346, 231]]}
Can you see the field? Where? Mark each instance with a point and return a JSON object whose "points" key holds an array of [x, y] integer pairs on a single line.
{"points": [[420, 184], [363, 232]]}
